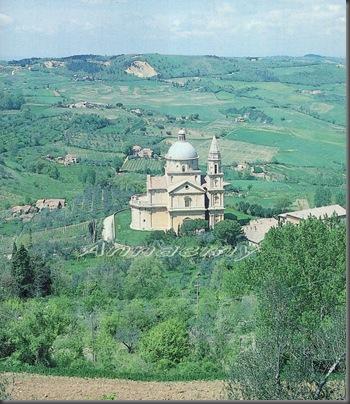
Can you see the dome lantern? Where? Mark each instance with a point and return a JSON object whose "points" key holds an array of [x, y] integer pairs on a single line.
{"points": [[181, 135], [181, 149]]}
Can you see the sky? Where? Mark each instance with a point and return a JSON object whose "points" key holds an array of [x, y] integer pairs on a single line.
{"points": [[56, 28]]}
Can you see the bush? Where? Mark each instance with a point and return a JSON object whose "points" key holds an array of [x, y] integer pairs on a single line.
{"points": [[227, 231], [189, 227], [166, 344]]}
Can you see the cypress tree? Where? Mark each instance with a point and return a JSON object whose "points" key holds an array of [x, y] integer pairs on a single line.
{"points": [[42, 278], [22, 272]]}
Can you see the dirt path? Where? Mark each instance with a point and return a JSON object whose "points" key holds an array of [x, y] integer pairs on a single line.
{"points": [[37, 387]]}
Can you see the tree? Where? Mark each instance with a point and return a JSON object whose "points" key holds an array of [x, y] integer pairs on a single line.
{"points": [[117, 163], [22, 272], [298, 277], [227, 231], [190, 227], [340, 197], [167, 343], [323, 196], [39, 326], [283, 203], [42, 277], [88, 176], [53, 172], [144, 278], [134, 319]]}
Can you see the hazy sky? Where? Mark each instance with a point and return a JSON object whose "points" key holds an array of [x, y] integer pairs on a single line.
{"points": [[221, 27]]}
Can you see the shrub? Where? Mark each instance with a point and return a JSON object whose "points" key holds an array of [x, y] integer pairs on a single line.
{"points": [[167, 343]]}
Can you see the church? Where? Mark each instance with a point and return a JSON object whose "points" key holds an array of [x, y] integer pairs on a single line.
{"points": [[183, 192]]}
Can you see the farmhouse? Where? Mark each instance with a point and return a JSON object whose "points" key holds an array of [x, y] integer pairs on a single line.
{"points": [[256, 230], [320, 213], [138, 151], [22, 210], [146, 152], [183, 193], [70, 159], [50, 204]]}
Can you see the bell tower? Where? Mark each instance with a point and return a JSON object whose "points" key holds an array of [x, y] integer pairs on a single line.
{"points": [[215, 184]]}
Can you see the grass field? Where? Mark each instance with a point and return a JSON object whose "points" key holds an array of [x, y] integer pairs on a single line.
{"points": [[124, 234]]}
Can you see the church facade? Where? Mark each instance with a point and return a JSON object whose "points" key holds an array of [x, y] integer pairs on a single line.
{"points": [[183, 192]]}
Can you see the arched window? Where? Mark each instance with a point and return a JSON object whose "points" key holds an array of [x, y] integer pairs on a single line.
{"points": [[216, 200], [215, 169], [188, 202], [183, 169]]}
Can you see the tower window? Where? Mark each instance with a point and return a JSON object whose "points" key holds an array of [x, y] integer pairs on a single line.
{"points": [[188, 201], [215, 169], [216, 200], [183, 169]]}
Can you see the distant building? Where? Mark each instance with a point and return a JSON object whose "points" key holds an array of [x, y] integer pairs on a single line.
{"points": [[183, 193], [70, 159], [136, 111], [146, 152], [241, 167], [20, 210], [138, 151], [67, 160], [319, 213], [240, 119], [256, 230], [50, 204]]}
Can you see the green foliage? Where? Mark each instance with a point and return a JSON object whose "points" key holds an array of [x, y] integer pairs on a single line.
{"points": [[22, 272], [88, 176], [82, 65], [144, 278], [42, 277], [166, 344], [255, 209], [34, 329], [190, 227], [227, 231], [251, 113], [30, 273], [323, 196], [10, 101], [53, 172], [117, 163], [340, 198], [161, 236], [301, 293]]}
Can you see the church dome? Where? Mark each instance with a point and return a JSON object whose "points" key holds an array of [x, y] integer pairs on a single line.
{"points": [[181, 149]]}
